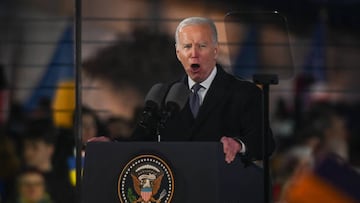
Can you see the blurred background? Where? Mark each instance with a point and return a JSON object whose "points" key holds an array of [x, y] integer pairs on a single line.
{"points": [[128, 46]]}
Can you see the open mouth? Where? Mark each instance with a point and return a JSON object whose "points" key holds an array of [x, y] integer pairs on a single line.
{"points": [[195, 66]]}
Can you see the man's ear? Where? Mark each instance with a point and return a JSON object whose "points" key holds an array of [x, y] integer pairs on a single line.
{"points": [[51, 149], [177, 52], [216, 52]]}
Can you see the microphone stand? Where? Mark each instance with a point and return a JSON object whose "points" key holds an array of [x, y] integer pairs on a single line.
{"points": [[175, 100], [164, 116], [265, 80], [158, 132]]}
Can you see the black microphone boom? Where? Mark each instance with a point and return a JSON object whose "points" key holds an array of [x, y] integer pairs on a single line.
{"points": [[156, 95], [157, 111], [175, 100], [153, 102], [177, 97]]}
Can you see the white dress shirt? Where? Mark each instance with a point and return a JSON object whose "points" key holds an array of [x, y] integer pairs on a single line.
{"points": [[205, 85]]}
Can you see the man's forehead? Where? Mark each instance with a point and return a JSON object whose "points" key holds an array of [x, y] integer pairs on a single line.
{"points": [[194, 34], [32, 175], [34, 141], [194, 26]]}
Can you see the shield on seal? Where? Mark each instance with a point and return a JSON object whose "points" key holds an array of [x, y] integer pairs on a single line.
{"points": [[146, 193]]}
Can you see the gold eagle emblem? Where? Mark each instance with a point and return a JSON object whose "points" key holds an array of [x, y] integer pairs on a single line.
{"points": [[146, 186]]}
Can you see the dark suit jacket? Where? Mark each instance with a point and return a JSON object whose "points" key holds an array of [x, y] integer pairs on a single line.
{"points": [[231, 107]]}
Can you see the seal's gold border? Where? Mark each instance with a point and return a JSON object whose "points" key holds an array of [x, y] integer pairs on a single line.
{"points": [[141, 157]]}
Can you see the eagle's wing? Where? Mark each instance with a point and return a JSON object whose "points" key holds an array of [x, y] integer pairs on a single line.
{"points": [[137, 185], [157, 184]]}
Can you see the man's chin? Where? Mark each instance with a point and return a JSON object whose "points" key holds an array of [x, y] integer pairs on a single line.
{"points": [[196, 78]]}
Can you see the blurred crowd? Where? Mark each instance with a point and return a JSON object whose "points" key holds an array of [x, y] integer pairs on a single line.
{"points": [[37, 155], [324, 131]]}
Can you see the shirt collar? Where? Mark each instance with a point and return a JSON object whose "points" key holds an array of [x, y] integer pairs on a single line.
{"points": [[206, 83]]}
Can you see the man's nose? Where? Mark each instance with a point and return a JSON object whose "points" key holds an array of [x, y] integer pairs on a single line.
{"points": [[194, 51]]}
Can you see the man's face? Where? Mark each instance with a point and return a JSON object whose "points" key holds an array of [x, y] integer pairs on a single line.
{"points": [[32, 187], [197, 51], [37, 153]]}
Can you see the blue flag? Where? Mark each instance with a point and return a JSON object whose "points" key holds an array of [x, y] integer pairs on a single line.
{"points": [[315, 63], [247, 61], [60, 68]]}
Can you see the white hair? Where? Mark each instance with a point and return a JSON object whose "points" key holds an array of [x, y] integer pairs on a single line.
{"points": [[197, 21]]}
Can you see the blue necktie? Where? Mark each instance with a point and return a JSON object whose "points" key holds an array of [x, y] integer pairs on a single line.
{"points": [[195, 99]]}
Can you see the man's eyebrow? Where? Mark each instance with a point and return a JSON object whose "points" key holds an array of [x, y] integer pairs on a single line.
{"points": [[186, 44]]}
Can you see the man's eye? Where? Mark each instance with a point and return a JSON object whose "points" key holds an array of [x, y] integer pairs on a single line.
{"points": [[202, 45], [187, 46]]}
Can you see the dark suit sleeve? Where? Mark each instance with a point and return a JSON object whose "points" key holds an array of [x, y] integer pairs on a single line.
{"points": [[249, 116]]}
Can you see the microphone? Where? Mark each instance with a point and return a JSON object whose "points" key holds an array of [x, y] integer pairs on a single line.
{"points": [[153, 102], [157, 111], [176, 98], [174, 101]]}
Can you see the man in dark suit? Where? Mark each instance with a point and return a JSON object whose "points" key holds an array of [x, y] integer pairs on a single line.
{"points": [[226, 109]]}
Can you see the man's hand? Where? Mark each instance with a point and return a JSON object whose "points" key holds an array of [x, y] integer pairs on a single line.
{"points": [[99, 139], [231, 148]]}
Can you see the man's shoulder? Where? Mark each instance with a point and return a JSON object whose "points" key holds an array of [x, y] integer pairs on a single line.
{"points": [[240, 83]]}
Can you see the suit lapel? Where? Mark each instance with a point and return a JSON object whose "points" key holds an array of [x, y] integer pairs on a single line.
{"points": [[215, 94]]}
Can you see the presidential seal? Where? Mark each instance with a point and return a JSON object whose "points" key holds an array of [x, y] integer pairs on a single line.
{"points": [[146, 179]]}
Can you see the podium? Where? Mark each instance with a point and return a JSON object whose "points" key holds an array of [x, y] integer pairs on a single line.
{"points": [[184, 172]]}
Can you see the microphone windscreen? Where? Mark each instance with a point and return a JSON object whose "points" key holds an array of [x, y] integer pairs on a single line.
{"points": [[178, 94], [156, 95]]}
